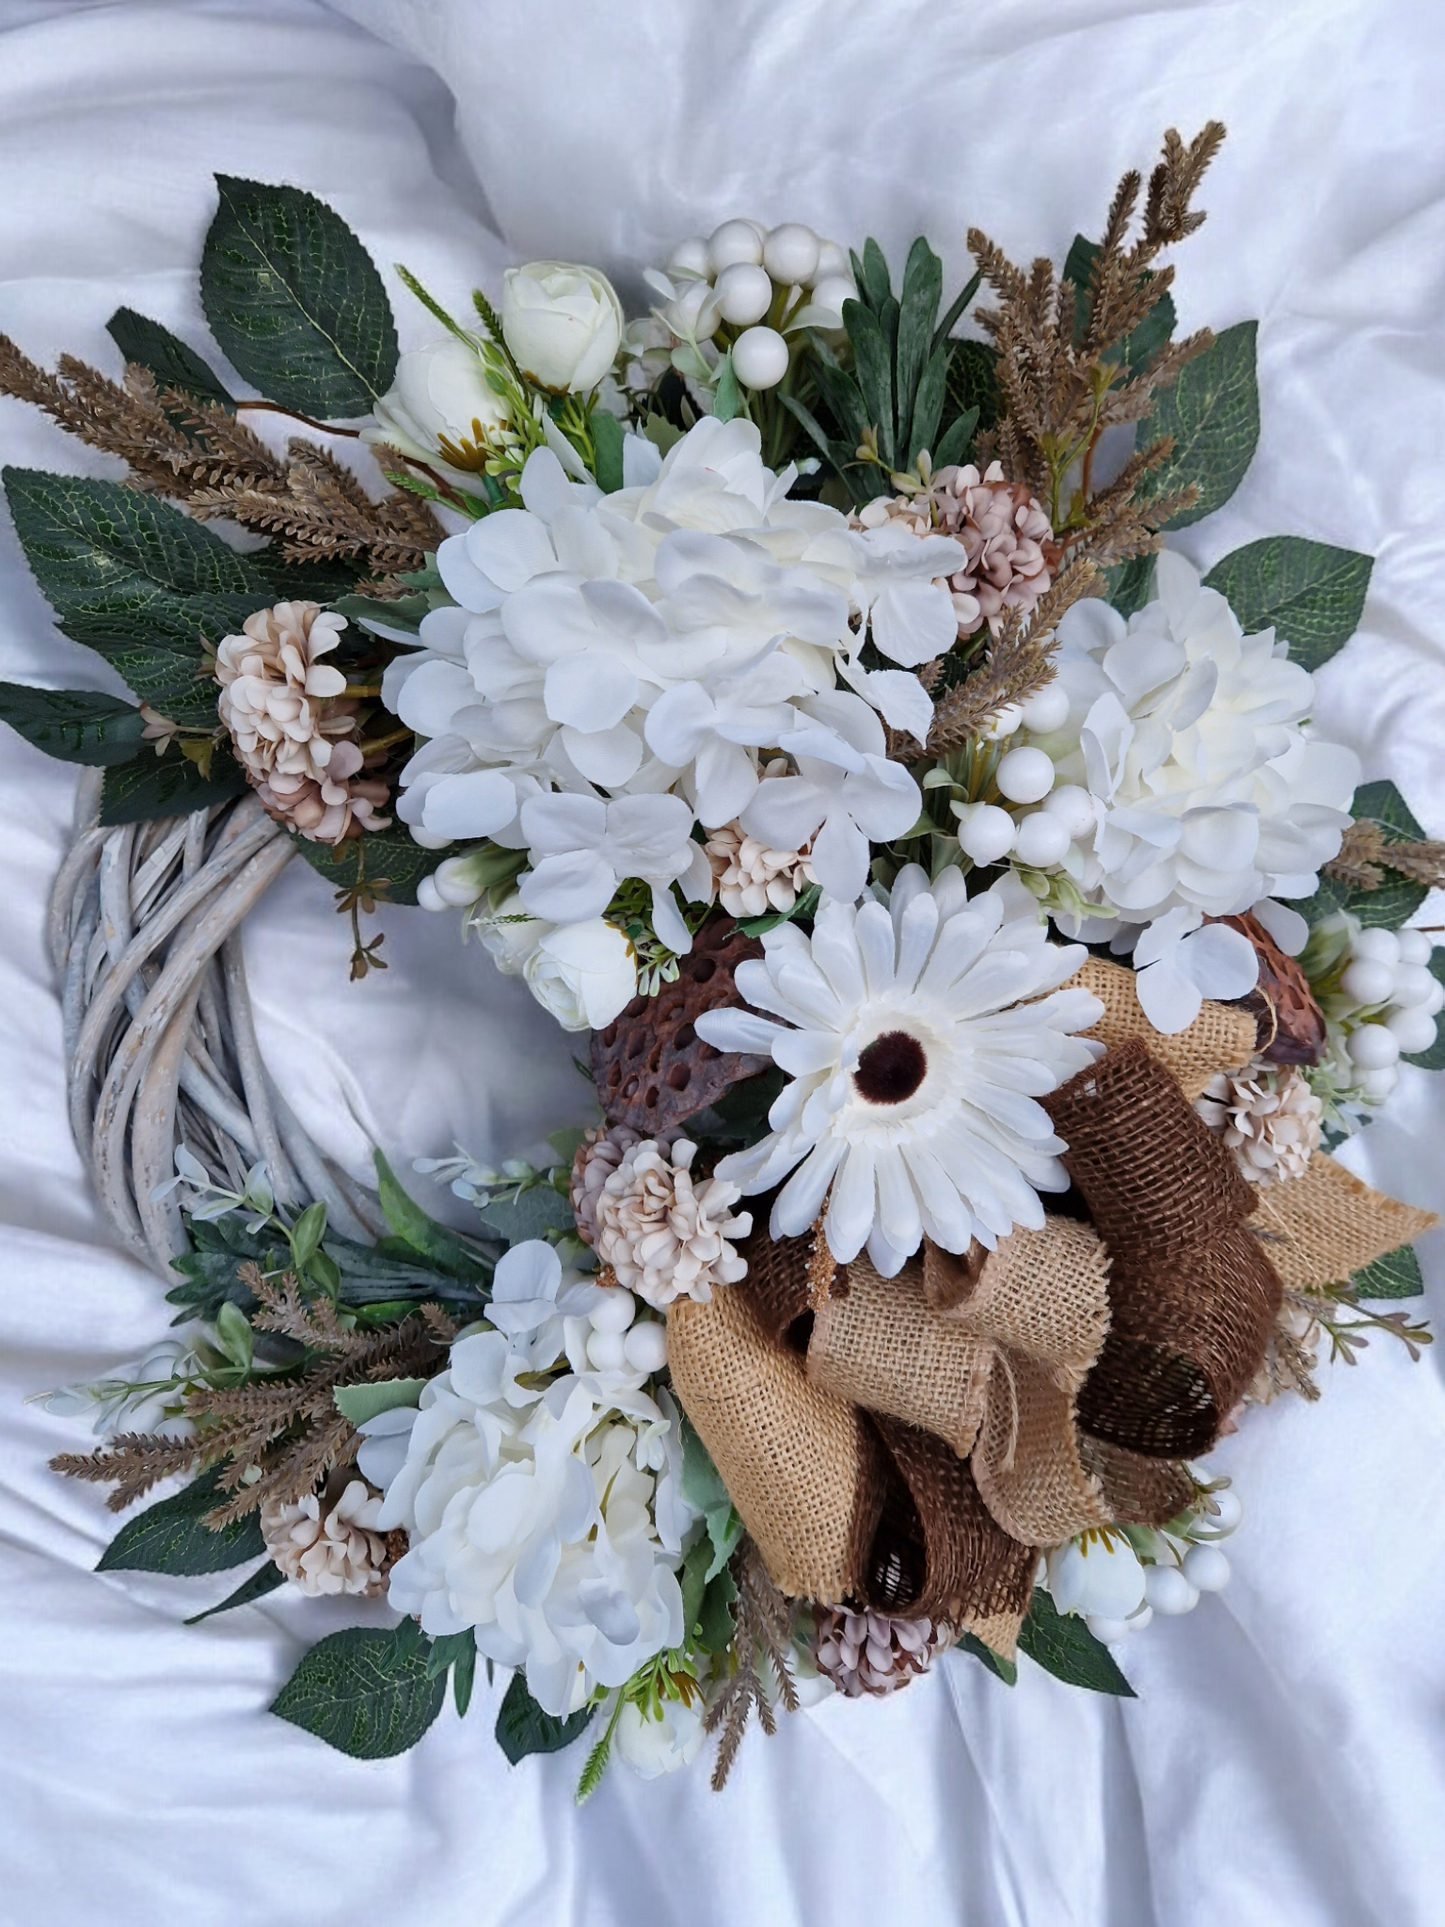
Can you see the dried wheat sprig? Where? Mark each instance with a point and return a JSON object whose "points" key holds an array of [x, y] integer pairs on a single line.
{"points": [[763, 1625], [131, 1461], [1365, 855]]}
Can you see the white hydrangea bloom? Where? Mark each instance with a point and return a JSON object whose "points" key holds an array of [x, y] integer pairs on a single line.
{"points": [[1186, 733], [918, 1037], [549, 1517]]}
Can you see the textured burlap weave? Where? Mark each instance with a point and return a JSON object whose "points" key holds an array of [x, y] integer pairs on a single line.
{"points": [[998, 1631], [1219, 1039], [1027, 1461], [776, 1284], [1137, 1491], [948, 1278], [1045, 1293], [1329, 1223], [1194, 1297], [791, 1456], [882, 1347]]}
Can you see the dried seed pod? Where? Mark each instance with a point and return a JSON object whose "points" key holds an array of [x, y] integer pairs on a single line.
{"points": [[1291, 1024]]}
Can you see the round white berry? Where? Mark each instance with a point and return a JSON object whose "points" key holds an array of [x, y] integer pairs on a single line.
{"points": [[1025, 775], [790, 253], [1006, 723], [760, 358], [1377, 1085], [1412, 1030], [832, 260], [1435, 1001], [1367, 982], [428, 897], [646, 1346], [1108, 1631], [606, 1351], [986, 833], [832, 292], [1228, 1513], [1380, 946], [1206, 1568], [1042, 840], [744, 293], [733, 241], [1413, 982], [1168, 1591], [1074, 807], [689, 256], [1047, 709], [1415, 946], [1373, 1048], [616, 1311]]}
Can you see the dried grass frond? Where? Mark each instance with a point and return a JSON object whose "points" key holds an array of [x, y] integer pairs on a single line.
{"points": [[1365, 855], [131, 1461], [763, 1631]]}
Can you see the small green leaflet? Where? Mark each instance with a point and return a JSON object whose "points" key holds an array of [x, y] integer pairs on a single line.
{"points": [[727, 394], [1130, 584], [411, 1225], [530, 1214], [167, 357], [1004, 1669], [1212, 411], [263, 1580], [523, 1728], [1063, 1645], [295, 301], [805, 905], [1396, 1275], [456, 1652], [173, 1537], [366, 1692], [972, 381], [702, 1486], [169, 785], [76, 725], [362, 1402], [707, 1604], [607, 441], [387, 861], [1394, 901], [1309, 593]]}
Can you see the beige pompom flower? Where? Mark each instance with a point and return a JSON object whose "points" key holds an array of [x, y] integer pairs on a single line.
{"points": [[1269, 1118], [328, 1548], [871, 1652], [292, 725], [663, 1236], [598, 1156]]}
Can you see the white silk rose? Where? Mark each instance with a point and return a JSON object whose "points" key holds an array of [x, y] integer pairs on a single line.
{"points": [[562, 323], [439, 409], [583, 973]]}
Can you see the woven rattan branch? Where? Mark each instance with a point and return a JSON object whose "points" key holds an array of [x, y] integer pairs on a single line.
{"points": [[145, 933]]}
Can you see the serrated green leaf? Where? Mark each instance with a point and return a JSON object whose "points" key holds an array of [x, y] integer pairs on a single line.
{"points": [[439, 1245], [1001, 1668], [168, 785], [75, 725], [523, 1728], [295, 301], [1212, 411], [263, 1580], [607, 441], [167, 357], [1131, 584], [1063, 1645], [388, 861], [135, 580], [362, 1402], [364, 1691], [172, 1537], [1309, 593], [972, 382], [873, 365], [1396, 1275]]}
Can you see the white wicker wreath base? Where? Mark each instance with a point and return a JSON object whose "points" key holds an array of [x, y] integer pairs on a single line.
{"points": [[160, 1044]]}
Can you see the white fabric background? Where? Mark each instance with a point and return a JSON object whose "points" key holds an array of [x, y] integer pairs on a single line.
{"points": [[1283, 1763]]}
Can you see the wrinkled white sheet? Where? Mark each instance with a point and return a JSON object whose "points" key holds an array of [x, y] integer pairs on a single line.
{"points": [[1283, 1762]]}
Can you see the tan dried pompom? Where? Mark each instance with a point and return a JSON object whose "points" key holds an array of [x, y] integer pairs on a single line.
{"points": [[292, 725], [329, 1548], [598, 1156], [869, 1652], [664, 1237], [1269, 1118], [1012, 554], [751, 878]]}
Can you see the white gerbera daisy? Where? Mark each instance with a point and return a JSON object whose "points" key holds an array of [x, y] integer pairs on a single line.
{"points": [[917, 1058]]}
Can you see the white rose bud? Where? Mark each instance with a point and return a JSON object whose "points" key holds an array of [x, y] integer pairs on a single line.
{"points": [[563, 323], [439, 407], [584, 973]]}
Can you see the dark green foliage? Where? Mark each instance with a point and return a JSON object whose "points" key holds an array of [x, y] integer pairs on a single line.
{"points": [[173, 1537], [1004, 1669], [1212, 412], [263, 1580], [740, 1116], [1130, 584], [973, 381], [367, 1693], [386, 862], [414, 1231], [1396, 1275], [528, 1214], [167, 357], [607, 441], [1394, 901], [1309, 593], [76, 725], [1136, 350], [457, 1653], [169, 785], [523, 1728], [295, 301], [1434, 1058], [1063, 1645]]}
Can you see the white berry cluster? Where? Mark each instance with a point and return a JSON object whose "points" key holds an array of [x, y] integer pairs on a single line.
{"points": [[1119, 1577], [1391, 1000]]}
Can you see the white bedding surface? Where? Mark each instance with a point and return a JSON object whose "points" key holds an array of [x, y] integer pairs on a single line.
{"points": [[1283, 1763]]}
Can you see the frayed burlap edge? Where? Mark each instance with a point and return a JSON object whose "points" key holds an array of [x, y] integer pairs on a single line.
{"points": [[1319, 1228], [1219, 1039]]}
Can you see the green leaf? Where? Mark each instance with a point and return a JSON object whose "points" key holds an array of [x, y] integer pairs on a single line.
{"points": [[973, 382], [364, 1692], [1310, 594], [76, 725], [607, 441], [1212, 411], [168, 785], [960, 301], [1063, 1645], [1152, 332], [234, 1335], [844, 399], [307, 1233], [167, 357], [295, 301], [870, 276], [956, 439], [362, 1402], [410, 1223], [1131, 584], [702, 1486], [404, 613], [523, 1728], [531, 1214], [263, 1580], [918, 312], [314, 581], [873, 363], [1394, 901], [172, 1537], [1004, 1669], [135, 580], [805, 905], [716, 1623], [927, 406], [1396, 1275], [727, 395], [455, 1653], [388, 861]]}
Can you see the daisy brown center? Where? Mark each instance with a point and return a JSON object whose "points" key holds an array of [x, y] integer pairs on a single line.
{"points": [[891, 1068]]}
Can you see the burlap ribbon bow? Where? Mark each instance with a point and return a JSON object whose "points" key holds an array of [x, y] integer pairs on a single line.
{"points": [[912, 1443]]}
